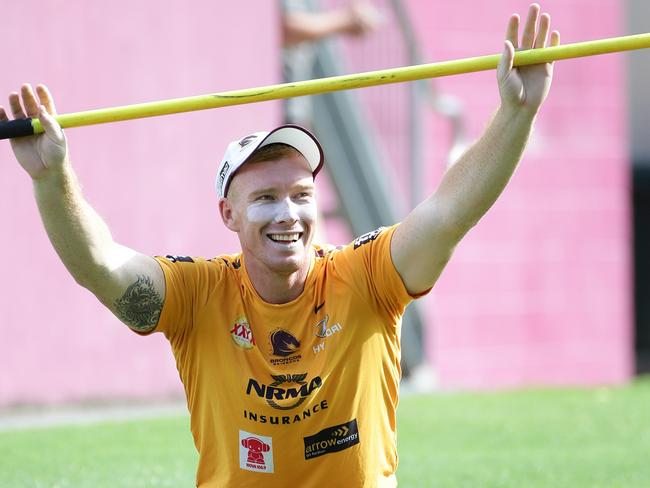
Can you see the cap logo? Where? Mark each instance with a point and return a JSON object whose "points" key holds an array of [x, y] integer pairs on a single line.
{"points": [[223, 173], [246, 140]]}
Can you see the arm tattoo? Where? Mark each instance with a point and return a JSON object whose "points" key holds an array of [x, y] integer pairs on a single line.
{"points": [[140, 306]]}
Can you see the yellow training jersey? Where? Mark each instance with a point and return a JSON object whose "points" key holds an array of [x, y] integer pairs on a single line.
{"points": [[301, 394]]}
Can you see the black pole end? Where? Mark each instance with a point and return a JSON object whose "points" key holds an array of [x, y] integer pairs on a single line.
{"points": [[16, 128]]}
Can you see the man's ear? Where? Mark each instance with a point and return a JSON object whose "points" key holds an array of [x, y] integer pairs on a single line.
{"points": [[228, 214]]}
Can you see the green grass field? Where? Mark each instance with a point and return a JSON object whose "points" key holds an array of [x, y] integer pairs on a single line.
{"points": [[538, 438]]}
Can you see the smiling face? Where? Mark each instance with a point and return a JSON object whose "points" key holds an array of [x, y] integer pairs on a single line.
{"points": [[271, 205]]}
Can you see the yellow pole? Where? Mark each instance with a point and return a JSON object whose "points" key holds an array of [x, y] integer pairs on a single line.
{"points": [[347, 82]]}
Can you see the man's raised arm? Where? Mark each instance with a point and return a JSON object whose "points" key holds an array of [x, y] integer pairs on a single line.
{"points": [[425, 240], [130, 284]]}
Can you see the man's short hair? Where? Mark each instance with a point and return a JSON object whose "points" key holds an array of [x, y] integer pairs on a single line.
{"points": [[272, 152]]}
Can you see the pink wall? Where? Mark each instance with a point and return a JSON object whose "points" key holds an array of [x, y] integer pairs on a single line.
{"points": [[540, 292], [152, 180]]}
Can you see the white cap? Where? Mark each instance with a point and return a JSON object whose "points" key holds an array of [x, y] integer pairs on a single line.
{"points": [[238, 152]]}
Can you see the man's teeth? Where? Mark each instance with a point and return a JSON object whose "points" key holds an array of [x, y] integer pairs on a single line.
{"points": [[285, 237]]}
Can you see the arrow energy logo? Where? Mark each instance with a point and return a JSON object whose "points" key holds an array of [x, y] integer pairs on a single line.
{"points": [[332, 439]]}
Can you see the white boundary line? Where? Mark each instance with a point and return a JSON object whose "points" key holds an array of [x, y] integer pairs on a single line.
{"points": [[35, 418]]}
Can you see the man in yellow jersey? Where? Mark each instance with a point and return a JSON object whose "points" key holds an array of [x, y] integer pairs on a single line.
{"points": [[311, 333]]}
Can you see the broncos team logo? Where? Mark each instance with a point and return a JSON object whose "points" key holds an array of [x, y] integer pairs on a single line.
{"points": [[284, 343]]}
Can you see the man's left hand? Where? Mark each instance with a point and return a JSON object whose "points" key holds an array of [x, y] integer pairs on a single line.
{"points": [[526, 87]]}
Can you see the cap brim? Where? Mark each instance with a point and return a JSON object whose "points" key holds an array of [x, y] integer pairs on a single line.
{"points": [[300, 139]]}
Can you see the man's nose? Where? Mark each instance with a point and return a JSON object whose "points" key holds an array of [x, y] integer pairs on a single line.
{"points": [[287, 212]]}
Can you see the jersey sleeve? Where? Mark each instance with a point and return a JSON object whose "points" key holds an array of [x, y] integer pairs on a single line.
{"points": [[369, 267], [188, 284]]}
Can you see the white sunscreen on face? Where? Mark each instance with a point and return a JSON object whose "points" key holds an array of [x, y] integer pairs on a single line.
{"points": [[274, 212]]}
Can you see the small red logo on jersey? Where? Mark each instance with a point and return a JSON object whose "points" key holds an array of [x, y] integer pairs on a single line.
{"points": [[255, 452], [242, 334], [256, 449]]}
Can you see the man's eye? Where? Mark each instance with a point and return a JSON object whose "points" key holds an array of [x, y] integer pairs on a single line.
{"points": [[264, 197], [303, 194]]}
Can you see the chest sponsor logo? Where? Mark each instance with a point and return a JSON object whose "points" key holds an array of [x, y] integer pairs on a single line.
{"points": [[323, 330], [255, 452], [242, 334], [288, 391], [332, 439], [286, 419], [285, 347]]}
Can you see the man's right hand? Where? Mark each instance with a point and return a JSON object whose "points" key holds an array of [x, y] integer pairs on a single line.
{"points": [[42, 153], [130, 284]]}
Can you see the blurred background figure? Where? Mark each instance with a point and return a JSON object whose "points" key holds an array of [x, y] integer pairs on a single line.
{"points": [[302, 26]]}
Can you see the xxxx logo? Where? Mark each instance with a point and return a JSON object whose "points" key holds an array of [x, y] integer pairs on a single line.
{"points": [[242, 334]]}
